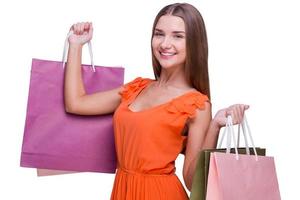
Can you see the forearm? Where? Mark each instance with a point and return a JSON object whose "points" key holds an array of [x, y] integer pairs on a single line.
{"points": [[188, 177], [73, 86], [210, 141]]}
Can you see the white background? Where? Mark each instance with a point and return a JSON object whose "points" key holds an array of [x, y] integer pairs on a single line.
{"points": [[253, 59]]}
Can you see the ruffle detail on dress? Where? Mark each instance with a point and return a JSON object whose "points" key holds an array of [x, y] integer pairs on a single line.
{"points": [[132, 87], [188, 104]]}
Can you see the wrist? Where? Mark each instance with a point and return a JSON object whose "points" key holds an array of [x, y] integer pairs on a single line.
{"points": [[76, 45], [215, 125]]}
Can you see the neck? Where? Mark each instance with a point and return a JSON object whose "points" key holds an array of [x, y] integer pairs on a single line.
{"points": [[174, 77]]}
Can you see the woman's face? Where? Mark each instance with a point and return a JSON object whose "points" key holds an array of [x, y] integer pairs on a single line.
{"points": [[169, 42]]}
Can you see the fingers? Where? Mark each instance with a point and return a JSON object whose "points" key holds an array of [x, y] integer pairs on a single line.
{"points": [[237, 112], [91, 29], [82, 28]]}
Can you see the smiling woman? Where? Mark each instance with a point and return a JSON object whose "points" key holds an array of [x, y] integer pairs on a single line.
{"points": [[168, 42], [185, 32], [156, 119]]}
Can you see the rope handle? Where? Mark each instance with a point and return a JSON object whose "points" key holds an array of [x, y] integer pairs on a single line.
{"points": [[66, 48]]}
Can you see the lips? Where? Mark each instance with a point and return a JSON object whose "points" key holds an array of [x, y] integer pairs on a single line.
{"points": [[166, 55]]}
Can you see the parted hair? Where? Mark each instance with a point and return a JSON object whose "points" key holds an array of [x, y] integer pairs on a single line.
{"points": [[196, 63]]}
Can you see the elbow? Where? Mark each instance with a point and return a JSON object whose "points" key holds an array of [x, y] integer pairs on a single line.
{"points": [[188, 186], [70, 107], [187, 181]]}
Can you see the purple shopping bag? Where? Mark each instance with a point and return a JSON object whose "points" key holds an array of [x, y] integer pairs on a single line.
{"points": [[54, 139]]}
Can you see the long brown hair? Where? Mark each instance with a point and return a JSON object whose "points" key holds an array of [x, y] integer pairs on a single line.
{"points": [[196, 63]]}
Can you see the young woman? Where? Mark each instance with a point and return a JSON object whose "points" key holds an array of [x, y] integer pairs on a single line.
{"points": [[156, 119]]}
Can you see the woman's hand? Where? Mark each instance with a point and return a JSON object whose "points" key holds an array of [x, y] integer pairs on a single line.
{"points": [[236, 111], [82, 33]]}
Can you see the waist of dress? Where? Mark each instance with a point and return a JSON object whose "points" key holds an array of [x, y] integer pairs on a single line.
{"points": [[133, 172]]}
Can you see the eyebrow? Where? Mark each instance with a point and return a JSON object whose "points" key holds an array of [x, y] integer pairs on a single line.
{"points": [[156, 29]]}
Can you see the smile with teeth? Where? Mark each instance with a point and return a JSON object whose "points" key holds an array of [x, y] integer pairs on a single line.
{"points": [[167, 54]]}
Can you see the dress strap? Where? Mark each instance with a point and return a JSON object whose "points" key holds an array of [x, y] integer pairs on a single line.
{"points": [[133, 87], [188, 104]]}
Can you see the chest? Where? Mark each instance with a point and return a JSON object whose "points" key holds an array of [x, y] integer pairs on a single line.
{"points": [[143, 106], [150, 99]]}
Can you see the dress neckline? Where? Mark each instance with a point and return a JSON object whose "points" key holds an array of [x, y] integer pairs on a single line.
{"points": [[159, 105]]}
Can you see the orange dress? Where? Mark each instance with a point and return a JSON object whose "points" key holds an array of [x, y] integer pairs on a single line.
{"points": [[148, 143]]}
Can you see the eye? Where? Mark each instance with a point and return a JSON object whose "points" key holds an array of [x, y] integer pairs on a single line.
{"points": [[158, 34], [178, 36]]}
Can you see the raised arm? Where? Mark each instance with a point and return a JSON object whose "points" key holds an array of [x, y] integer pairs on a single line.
{"points": [[75, 98]]}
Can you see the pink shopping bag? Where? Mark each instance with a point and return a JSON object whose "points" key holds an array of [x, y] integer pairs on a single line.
{"points": [[238, 176], [245, 178], [54, 139], [51, 172]]}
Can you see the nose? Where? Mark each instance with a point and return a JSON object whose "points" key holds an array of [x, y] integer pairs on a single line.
{"points": [[166, 43]]}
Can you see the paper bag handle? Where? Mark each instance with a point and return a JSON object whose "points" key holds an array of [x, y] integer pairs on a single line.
{"points": [[230, 133], [66, 48]]}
